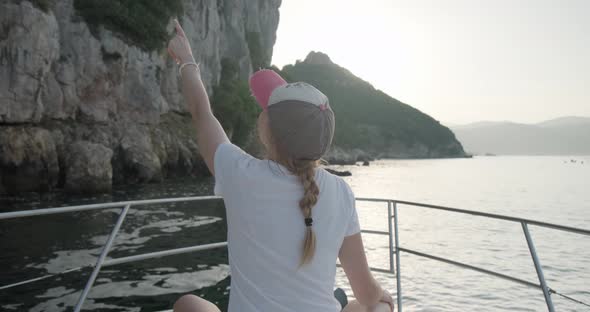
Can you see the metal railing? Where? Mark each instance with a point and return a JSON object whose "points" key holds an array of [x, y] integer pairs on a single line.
{"points": [[395, 250], [393, 234], [101, 261]]}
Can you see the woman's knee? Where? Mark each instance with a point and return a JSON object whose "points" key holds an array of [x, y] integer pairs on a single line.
{"points": [[382, 307], [355, 306], [192, 303], [185, 303]]}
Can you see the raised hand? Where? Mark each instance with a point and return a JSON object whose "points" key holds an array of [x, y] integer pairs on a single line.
{"points": [[209, 132], [179, 48]]}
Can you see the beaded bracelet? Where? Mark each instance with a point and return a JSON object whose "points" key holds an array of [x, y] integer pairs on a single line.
{"points": [[186, 64]]}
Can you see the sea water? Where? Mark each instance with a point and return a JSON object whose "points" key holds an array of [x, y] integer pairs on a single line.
{"points": [[547, 188]]}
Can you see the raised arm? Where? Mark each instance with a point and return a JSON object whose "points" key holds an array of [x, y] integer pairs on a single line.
{"points": [[366, 289], [209, 131]]}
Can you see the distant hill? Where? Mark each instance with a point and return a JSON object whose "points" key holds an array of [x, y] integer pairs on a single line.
{"points": [[370, 120], [561, 136]]}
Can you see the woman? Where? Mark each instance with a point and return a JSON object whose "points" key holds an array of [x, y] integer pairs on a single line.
{"points": [[288, 220]]}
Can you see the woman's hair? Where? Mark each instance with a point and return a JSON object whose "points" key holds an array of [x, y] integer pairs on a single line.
{"points": [[305, 170], [300, 134]]}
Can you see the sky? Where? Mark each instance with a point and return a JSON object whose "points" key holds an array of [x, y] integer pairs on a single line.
{"points": [[460, 61]]}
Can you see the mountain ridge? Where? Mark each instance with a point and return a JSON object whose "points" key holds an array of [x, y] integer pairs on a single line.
{"points": [[548, 122], [568, 135], [368, 120]]}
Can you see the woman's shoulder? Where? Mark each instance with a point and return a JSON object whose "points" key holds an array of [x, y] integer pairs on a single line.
{"points": [[340, 195], [231, 154], [232, 163], [335, 179]]}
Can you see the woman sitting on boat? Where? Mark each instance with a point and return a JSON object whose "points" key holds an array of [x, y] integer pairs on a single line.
{"points": [[288, 220]]}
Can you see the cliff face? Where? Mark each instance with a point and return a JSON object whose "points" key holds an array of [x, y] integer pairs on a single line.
{"points": [[66, 93]]}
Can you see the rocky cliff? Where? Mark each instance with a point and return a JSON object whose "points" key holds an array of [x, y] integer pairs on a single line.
{"points": [[71, 94]]}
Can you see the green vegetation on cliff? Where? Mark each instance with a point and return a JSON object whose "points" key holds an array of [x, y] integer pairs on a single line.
{"points": [[141, 21], [234, 105], [256, 51], [44, 5], [367, 118]]}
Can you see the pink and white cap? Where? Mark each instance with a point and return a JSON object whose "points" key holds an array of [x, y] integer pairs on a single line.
{"points": [[269, 88], [263, 83], [300, 118]]}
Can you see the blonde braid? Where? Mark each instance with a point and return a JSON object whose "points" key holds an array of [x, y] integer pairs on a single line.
{"points": [[305, 170]]}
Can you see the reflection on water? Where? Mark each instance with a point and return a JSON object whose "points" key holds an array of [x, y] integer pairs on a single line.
{"points": [[161, 282], [40, 245], [65, 259], [542, 188]]}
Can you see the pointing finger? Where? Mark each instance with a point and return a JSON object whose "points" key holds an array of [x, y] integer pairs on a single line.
{"points": [[179, 30], [174, 57]]}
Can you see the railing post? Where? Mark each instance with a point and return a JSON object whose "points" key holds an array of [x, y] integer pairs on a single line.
{"points": [[397, 263], [390, 225], [529, 241], [101, 258]]}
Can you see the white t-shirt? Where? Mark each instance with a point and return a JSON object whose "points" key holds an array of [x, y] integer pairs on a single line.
{"points": [[266, 229]]}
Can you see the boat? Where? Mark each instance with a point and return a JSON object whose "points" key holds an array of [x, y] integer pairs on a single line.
{"points": [[390, 207]]}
